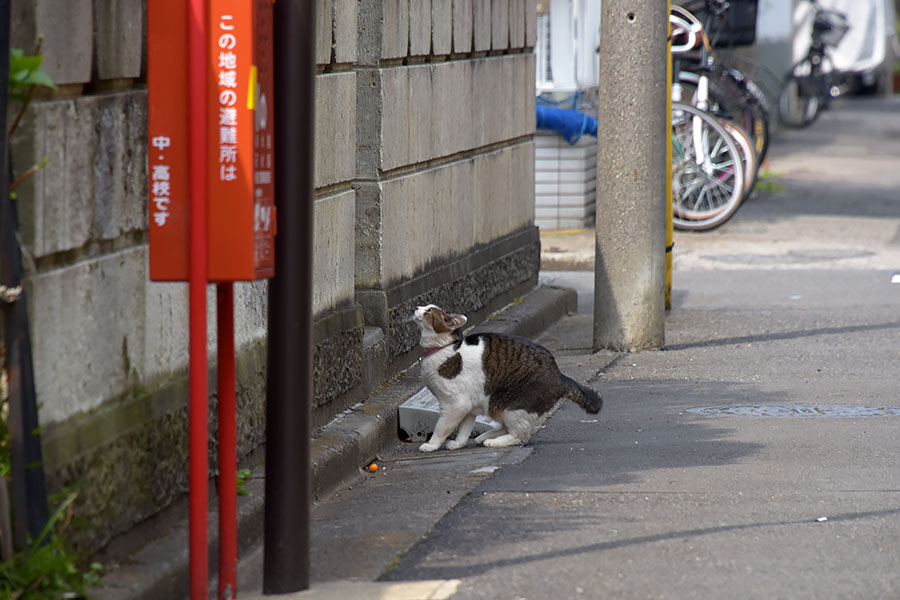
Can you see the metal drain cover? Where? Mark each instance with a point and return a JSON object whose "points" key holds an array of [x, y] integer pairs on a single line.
{"points": [[797, 410]]}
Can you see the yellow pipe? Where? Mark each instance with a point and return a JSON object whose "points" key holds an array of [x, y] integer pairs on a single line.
{"points": [[670, 230]]}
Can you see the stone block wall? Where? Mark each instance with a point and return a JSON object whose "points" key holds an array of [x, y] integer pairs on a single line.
{"points": [[445, 121], [424, 177], [109, 346]]}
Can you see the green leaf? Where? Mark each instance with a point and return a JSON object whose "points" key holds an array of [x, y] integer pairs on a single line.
{"points": [[18, 76], [25, 62], [38, 78], [51, 522]]}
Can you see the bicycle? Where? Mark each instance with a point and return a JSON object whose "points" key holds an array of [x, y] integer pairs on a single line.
{"points": [[711, 169], [810, 83], [732, 95]]}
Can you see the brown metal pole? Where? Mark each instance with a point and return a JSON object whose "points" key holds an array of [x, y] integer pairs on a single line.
{"points": [[290, 349]]}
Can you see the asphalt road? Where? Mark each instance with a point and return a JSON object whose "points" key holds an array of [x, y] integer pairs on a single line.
{"points": [[757, 456]]}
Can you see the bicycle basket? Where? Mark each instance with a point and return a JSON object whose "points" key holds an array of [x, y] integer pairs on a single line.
{"points": [[735, 26], [830, 26]]}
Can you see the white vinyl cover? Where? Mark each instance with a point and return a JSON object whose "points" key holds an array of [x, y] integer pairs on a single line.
{"points": [[865, 45]]}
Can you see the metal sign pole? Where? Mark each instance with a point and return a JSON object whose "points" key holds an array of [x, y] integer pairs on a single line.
{"points": [[197, 410], [227, 442], [290, 348]]}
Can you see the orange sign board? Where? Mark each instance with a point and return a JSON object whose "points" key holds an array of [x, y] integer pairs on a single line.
{"points": [[167, 139], [240, 176]]}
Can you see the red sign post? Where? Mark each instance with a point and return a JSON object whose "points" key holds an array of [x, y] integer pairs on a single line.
{"points": [[211, 210]]}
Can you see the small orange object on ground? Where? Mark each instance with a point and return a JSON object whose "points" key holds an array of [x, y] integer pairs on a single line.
{"points": [[373, 467]]}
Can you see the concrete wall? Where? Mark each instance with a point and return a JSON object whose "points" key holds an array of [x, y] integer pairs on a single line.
{"points": [[424, 191]]}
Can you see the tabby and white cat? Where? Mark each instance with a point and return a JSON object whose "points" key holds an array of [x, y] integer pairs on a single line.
{"points": [[513, 380]]}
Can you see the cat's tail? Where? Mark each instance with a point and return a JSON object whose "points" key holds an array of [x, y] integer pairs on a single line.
{"points": [[582, 395]]}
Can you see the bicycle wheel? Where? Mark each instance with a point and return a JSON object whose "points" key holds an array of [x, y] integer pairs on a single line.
{"points": [[799, 102], [749, 156], [707, 172], [727, 99]]}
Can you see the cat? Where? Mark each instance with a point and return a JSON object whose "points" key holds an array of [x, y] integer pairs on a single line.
{"points": [[513, 380]]}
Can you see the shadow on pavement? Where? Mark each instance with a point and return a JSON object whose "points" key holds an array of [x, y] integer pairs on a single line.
{"points": [[414, 571]]}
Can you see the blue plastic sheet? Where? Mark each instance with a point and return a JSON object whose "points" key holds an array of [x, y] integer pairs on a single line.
{"points": [[571, 124]]}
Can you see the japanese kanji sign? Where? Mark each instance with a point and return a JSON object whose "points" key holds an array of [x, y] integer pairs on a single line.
{"points": [[240, 216]]}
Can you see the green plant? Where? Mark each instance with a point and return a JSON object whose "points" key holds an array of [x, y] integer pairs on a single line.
{"points": [[25, 73], [766, 182], [243, 476], [25, 76], [46, 568]]}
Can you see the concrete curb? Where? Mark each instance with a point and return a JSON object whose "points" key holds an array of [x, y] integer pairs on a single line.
{"points": [[567, 249], [567, 261], [159, 567]]}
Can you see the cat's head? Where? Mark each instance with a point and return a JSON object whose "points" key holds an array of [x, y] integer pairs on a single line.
{"points": [[437, 327]]}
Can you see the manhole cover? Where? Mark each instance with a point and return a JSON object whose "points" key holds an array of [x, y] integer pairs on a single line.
{"points": [[794, 410]]}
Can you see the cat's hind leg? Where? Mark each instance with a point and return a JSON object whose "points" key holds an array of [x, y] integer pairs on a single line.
{"points": [[462, 436], [519, 423], [498, 430], [508, 439]]}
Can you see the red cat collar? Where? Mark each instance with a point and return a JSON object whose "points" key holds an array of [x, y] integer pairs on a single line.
{"points": [[431, 351]]}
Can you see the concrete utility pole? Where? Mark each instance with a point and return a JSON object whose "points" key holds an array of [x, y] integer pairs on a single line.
{"points": [[629, 269]]}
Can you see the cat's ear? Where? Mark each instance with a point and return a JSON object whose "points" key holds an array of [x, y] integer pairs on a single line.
{"points": [[454, 322]]}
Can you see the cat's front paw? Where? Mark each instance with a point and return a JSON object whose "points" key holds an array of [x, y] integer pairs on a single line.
{"points": [[454, 445], [426, 447]]}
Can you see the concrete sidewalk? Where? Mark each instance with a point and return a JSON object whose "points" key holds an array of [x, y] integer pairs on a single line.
{"points": [[151, 561]]}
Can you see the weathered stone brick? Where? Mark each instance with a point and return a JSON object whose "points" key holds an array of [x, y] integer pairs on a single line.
{"points": [[419, 27], [441, 26], [395, 36], [530, 24], [499, 24], [345, 34], [87, 342], [324, 20], [118, 37], [481, 25], [517, 23], [462, 25], [395, 125], [67, 29], [335, 132], [94, 185], [333, 270]]}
